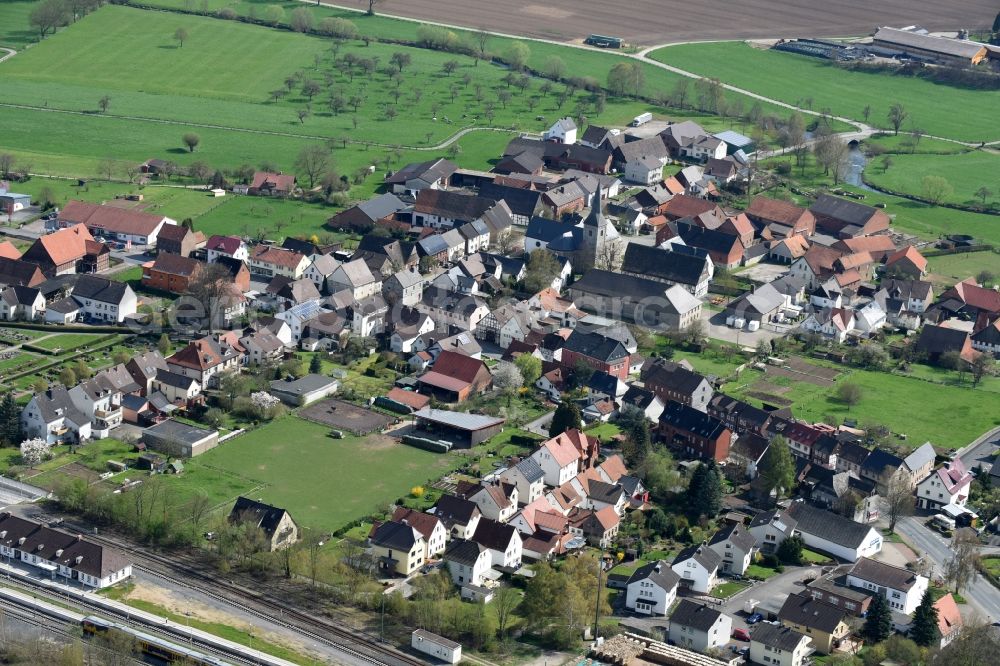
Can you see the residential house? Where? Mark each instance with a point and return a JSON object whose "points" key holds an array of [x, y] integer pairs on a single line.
{"points": [[907, 263], [987, 339], [356, 277], [453, 309], [404, 287], [467, 562], [441, 209], [279, 530], [269, 261], [824, 623], [833, 534], [397, 547], [764, 305], [844, 218], [205, 360], [414, 178], [20, 303], [558, 459], [460, 516], [266, 184], [699, 627], [881, 467], [596, 351], [949, 619], [686, 267], [101, 401], [770, 528], [430, 527], [788, 250], [920, 462], [736, 546], [231, 247], [948, 484], [104, 300], [725, 249], [71, 557], [171, 273], [694, 433], [528, 477], [833, 323], [179, 390], [652, 589], [598, 526], [143, 369], [319, 270], [53, 416], [698, 568], [675, 382], [902, 588], [646, 401], [124, 225], [778, 646], [503, 541], [496, 500], [562, 131]]}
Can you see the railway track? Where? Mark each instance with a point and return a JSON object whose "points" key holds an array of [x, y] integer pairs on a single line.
{"points": [[357, 644]]}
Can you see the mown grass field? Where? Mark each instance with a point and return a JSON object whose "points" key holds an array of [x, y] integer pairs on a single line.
{"points": [[949, 269], [325, 482], [965, 172], [894, 401], [67, 341], [15, 30], [794, 78]]}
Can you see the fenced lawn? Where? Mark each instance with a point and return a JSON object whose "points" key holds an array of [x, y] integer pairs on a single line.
{"points": [[948, 269], [325, 482]]}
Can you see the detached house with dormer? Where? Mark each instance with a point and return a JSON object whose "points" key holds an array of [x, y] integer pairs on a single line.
{"points": [[736, 546], [698, 568], [699, 627], [949, 484], [651, 589], [54, 417]]}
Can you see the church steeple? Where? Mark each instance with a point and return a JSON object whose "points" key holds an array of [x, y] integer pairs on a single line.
{"points": [[596, 218]]}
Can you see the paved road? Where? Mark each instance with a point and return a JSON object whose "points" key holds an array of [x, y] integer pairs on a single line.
{"points": [[981, 594], [540, 426], [981, 450]]}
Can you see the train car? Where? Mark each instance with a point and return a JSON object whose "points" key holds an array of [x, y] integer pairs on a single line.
{"points": [[151, 645]]}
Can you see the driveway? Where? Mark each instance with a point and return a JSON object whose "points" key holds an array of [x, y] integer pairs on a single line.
{"points": [[715, 327], [770, 593], [540, 426]]}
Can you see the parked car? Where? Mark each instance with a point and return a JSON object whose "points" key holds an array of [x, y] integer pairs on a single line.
{"points": [[755, 618], [741, 634]]}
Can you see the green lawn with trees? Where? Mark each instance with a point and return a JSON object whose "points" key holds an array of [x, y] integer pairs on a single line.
{"points": [[973, 178], [820, 84], [16, 30]]}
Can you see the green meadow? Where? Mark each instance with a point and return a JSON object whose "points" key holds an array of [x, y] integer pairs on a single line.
{"points": [[939, 110]]}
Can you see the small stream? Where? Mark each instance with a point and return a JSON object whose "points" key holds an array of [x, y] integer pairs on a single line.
{"points": [[857, 161]]}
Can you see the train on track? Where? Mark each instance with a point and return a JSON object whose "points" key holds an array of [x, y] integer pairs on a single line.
{"points": [[151, 645]]}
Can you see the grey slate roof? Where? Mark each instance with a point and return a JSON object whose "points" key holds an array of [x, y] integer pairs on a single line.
{"points": [[844, 210], [265, 516], [735, 534], [828, 526], [677, 267], [703, 555], [460, 420], [530, 469], [381, 206], [658, 572], [697, 616], [775, 636], [397, 536], [803, 610], [99, 289], [463, 551]]}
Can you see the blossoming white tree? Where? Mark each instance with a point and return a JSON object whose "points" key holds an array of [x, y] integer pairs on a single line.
{"points": [[34, 451]]}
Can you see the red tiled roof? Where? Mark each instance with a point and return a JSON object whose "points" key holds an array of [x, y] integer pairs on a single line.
{"points": [[8, 251], [949, 618], [225, 244], [409, 398], [614, 467], [277, 256], [418, 520], [279, 182], [65, 245], [972, 294], [908, 252], [775, 210], [111, 218], [458, 366]]}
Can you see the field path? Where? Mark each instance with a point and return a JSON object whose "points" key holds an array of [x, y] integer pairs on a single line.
{"points": [[10, 53]]}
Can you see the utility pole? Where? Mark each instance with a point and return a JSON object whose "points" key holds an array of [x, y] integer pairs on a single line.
{"points": [[597, 600]]}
